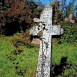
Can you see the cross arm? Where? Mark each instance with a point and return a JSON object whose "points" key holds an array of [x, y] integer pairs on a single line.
{"points": [[55, 30]]}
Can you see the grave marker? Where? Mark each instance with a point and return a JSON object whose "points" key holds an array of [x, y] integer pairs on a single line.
{"points": [[45, 25]]}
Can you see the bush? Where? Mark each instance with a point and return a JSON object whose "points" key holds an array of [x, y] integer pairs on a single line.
{"points": [[70, 33], [18, 17]]}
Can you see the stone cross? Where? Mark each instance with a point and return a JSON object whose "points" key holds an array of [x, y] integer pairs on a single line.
{"points": [[45, 25]]}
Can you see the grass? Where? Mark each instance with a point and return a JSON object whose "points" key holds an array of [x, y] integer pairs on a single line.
{"points": [[12, 65], [69, 52], [65, 50], [21, 61]]}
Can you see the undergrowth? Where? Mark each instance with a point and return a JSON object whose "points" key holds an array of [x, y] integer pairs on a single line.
{"points": [[21, 60]]}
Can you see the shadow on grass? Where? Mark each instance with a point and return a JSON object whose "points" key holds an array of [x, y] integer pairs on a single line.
{"points": [[59, 69]]}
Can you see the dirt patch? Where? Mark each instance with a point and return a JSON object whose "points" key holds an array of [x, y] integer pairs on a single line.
{"points": [[36, 41]]}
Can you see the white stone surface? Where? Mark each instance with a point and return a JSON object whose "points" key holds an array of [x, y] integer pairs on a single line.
{"points": [[45, 25]]}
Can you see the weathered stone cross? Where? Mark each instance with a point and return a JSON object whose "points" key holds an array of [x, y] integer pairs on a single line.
{"points": [[45, 25]]}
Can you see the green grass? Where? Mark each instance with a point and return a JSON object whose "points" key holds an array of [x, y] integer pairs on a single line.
{"points": [[20, 65], [24, 64], [65, 50], [70, 52]]}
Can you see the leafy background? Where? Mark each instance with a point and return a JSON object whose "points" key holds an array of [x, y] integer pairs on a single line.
{"points": [[18, 56]]}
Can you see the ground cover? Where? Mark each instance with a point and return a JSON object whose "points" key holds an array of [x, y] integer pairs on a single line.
{"points": [[21, 60]]}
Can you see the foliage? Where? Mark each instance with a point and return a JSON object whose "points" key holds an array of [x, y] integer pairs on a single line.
{"points": [[56, 13], [65, 8], [70, 8], [18, 56], [20, 39], [18, 16], [70, 33]]}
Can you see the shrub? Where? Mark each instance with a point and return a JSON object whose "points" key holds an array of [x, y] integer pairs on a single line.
{"points": [[70, 33], [18, 17]]}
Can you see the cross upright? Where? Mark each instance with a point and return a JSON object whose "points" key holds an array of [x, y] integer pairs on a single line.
{"points": [[45, 25]]}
